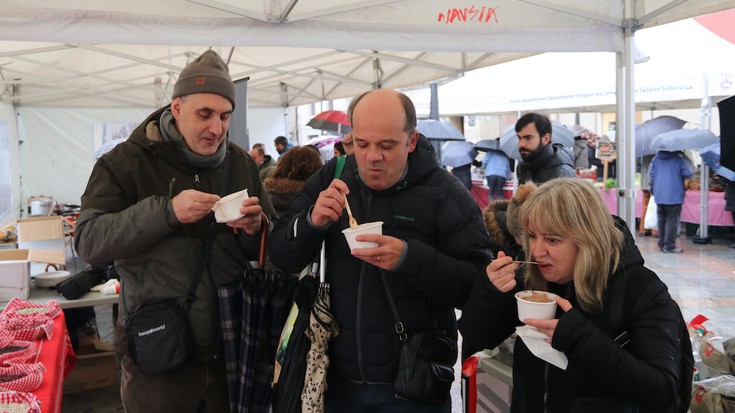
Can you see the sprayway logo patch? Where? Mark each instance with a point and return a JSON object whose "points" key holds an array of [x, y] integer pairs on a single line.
{"points": [[152, 330]]}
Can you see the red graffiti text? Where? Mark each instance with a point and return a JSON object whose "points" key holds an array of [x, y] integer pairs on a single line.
{"points": [[482, 14]]}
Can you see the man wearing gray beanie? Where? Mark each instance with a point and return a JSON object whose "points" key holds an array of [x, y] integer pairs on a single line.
{"points": [[148, 207]]}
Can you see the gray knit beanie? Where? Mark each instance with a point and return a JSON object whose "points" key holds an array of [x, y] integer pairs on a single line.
{"points": [[208, 73]]}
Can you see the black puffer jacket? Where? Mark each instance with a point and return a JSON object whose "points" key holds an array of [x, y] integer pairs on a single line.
{"points": [[127, 218], [644, 373], [555, 161], [447, 248]]}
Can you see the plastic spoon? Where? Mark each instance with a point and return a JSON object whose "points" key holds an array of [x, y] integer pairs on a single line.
{"points": [[353, 222]]}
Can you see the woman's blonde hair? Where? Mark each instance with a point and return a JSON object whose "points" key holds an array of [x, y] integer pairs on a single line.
{"points": [[571, 207]]}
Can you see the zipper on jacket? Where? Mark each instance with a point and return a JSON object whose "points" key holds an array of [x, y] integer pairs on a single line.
{"points": [[196, 180], [171, 187], [358, 325], [546, 384]]}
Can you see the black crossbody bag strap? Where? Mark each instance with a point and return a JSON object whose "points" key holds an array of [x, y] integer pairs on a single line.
{"points": [[398, 326], [209, 240]]}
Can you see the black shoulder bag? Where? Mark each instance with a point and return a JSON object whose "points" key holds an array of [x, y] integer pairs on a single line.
{"points": [[425, 368], [159, 336]]}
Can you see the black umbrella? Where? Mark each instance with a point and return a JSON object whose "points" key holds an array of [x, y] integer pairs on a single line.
{"points": [[727, 132], [293, 347]]}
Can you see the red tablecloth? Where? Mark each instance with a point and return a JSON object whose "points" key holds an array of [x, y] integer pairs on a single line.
{"points": [[690, 210], [481, 193], [58, 357]]}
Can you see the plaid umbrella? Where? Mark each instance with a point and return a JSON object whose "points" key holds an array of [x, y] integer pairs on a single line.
{"points": [[322, 328], [332, 120], [252, 312]]}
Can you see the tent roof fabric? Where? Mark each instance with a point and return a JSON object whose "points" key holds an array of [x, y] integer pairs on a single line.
{"points": [[110, 53]]}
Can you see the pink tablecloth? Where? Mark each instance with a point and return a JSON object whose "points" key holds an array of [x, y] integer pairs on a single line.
{"points": [[690, 211]]}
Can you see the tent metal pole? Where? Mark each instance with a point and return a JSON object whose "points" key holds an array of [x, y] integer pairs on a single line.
{"points": [[625, 123], [705, 116]]}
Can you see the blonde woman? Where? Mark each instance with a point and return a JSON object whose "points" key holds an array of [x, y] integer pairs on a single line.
{"points": [[588, 258]]}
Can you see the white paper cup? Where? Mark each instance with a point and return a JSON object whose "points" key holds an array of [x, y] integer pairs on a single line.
{"points": [[366, 228], [228, 208], [536, 309]]}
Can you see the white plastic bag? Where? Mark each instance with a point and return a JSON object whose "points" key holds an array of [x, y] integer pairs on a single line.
{"points": [[651, 218]]}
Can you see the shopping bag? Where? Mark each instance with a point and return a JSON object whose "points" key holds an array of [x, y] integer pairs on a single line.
{"points": [[651, 215]]}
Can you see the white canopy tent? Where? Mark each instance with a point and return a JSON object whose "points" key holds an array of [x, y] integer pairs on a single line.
{"points": [[97, 54]]}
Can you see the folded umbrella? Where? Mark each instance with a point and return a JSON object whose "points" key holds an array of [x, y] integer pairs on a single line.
{"points": [[322, 328], [683, 139], [290, 372]]}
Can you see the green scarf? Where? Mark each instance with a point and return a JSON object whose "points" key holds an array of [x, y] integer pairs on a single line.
{"points": [[170, 133]]}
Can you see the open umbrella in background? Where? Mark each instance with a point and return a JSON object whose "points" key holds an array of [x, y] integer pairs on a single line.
{"points": [[458, 153], [325, 145], [559, 134], [726, 108], [488, 145], [331, 120], [646, 131], [322, 328], [683, 139], [711, 157], [438, 131]]}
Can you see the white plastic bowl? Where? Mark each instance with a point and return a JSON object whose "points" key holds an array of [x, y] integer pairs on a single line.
{"points": [[366, 228], [228, 208], [535, 309]]}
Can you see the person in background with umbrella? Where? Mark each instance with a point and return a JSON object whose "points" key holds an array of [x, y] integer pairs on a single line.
{"points": [[542, 160], [497, 171], [433, 248], [667, 174], [282, 144], [464, 173]]}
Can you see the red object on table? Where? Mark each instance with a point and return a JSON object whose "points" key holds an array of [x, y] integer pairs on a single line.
{"points": [[58, 357]]}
